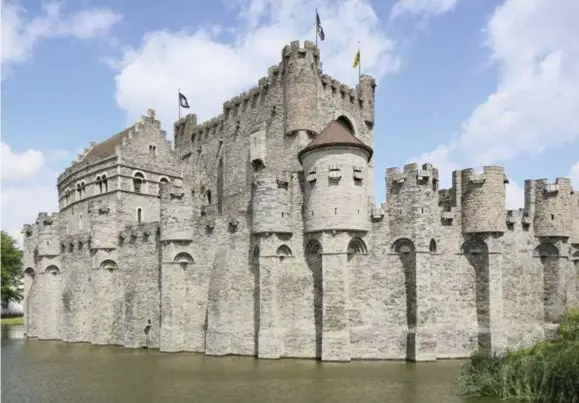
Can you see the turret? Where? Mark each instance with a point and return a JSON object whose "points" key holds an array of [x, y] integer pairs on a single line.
{"points": [[29, 245], [336, 196], [270, 204], [366, 93], [483, 200], [104, 224], [553, 208], [413, 202], [301, 76], [176, 213], [48, 236]]}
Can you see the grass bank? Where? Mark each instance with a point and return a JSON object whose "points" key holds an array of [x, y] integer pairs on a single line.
{"points": [[16, 320], [545, 372]]}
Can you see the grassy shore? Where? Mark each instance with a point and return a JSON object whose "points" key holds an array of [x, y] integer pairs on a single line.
{"points": [[16, 320], [545, 372]]}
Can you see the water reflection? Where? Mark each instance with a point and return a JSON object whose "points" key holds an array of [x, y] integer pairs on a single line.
{"points": [[43, 371]]}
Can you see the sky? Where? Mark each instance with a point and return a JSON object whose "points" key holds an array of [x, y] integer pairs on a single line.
{"points": [[461, 83]]}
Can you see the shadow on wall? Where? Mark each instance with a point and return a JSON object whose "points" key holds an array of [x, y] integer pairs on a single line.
{"points": [[477, 255], [407, 254], [314, 260], [552, 298]]}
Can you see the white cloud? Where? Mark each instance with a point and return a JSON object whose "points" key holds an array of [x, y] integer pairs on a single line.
{"points": [[424, 8], [211, 69], [535, 106], [28, 185], [21, 165], [20, 36], [574, 174]]}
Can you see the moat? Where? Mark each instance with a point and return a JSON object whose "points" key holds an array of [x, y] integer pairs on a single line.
{"points": [[46, 371]]}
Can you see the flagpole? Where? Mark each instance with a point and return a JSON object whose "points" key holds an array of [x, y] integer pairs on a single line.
{"points": [[179, 102]]}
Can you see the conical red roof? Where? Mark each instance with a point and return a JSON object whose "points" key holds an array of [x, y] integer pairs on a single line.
{"points": [[335, 134]]}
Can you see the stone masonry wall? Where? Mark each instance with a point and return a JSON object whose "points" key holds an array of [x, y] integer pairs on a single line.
{"points": [[220, 260]]}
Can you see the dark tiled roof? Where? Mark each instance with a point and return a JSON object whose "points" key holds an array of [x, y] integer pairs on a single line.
{"points": [[335, 134], [106, 148]]}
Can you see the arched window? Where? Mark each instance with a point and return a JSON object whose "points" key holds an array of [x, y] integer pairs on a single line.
{"points": [[83, 189], [109, 265], [138, 182], [78, 192], [184, 259], [66, 197], [30, 272], [105, 183], [99, 184], [432, 246], [52, 269], [347, 123], [208, 197], [139, 215], [163, 180], [283, 251], [356, 247]]}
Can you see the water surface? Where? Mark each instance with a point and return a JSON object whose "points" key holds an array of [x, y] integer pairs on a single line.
{"points": [[47, 371]]}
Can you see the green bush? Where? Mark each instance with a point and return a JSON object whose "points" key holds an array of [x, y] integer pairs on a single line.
{"points": [[545, 372]]}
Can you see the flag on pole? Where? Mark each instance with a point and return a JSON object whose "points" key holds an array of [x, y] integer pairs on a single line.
{"points": [[357, 59], [319, 29], [183, 101]]}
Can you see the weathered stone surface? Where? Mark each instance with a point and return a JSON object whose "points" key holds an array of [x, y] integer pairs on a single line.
{"points": [[228, 243]]}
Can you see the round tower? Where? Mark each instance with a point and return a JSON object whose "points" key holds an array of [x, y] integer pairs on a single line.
{"points": [[413, 202], [176, 213], [104, 232], [48, 236], [553, 208], [270, 204], [483, 200], [301, 76], [335, 166]]}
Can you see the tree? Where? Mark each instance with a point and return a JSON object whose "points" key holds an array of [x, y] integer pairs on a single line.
{"points": [[11, 269]]}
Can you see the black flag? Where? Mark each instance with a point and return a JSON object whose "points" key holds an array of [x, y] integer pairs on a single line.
{"points": [[183, 101], [319, 28]]}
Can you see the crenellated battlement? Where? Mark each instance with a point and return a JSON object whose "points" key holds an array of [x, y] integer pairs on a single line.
{"points": [[144, 232], [552, 205], [412, 174]]}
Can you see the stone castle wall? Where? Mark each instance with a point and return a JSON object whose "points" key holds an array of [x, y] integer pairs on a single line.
{"points": [[228, 244]]}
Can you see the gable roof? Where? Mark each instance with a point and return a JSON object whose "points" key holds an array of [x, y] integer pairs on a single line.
{"points": [[106, 148], [335, 134]]}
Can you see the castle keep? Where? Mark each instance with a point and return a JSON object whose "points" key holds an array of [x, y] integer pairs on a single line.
{"points": [[257, 233]]}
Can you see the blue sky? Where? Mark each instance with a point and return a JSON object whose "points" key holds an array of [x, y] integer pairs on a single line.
{"points": [[461, 83]]}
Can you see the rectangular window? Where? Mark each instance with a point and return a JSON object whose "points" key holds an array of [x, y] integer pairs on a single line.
{"points": [[312, 177], [335, 173], [358, 176]]}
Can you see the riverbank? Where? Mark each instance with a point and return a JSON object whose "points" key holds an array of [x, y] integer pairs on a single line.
{"points": [[545, 372], [13, 321]]}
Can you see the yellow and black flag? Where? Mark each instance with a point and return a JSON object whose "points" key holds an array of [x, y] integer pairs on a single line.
{"points": [[357, 59]]}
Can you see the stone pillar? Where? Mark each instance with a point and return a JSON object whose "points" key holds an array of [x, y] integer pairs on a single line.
{"points": [[336, 321], [422, 342], [497, 339], [269, 342]]}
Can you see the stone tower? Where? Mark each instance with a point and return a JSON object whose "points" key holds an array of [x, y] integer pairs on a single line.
{"points": [[336, 219]]}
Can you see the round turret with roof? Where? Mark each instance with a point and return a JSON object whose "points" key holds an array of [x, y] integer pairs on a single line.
{"points": [[335, 166]]}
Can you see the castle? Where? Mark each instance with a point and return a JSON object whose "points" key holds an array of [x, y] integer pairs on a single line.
{"points": [[257, 234]]}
